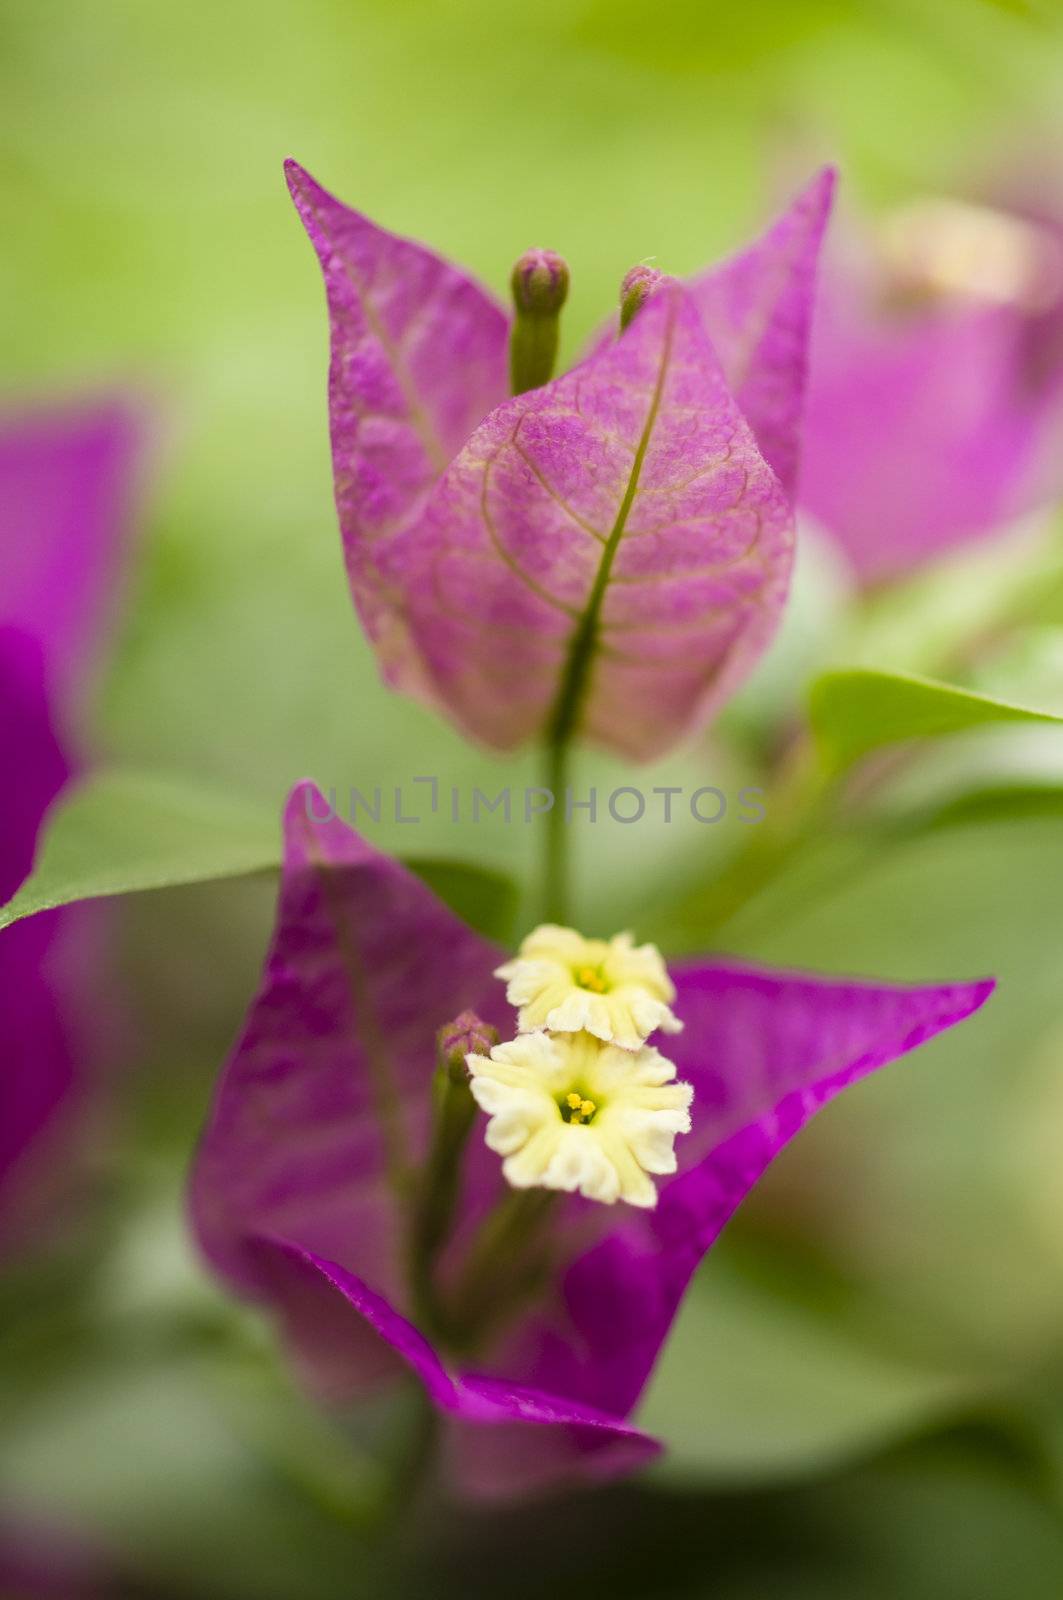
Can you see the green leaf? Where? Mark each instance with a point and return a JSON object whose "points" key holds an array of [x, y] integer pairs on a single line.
{"points": [[123, 832], [1001, 804], [942, 1172], [753, 1386], [487, 901], [857, 711]]}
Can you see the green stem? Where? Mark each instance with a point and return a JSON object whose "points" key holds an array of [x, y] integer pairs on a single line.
{"points": [[555, 846], [576, 675], [532, 350], [802, 809], [409, 1490], [436, 1196], [506, 1263]]}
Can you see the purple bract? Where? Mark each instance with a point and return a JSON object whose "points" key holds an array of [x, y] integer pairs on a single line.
{"points": [[66, 486], [933, 419], [606, 555], [322, 1117]]}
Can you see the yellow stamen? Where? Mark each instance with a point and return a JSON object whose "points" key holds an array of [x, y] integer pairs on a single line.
{"points": [[569, 1112], [613, 989], [576, 1110]]}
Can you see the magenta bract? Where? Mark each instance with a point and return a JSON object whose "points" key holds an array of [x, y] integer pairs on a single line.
{"points": [[928, 428], [65, 484], [613, 548], [38, 1061], [68, 484], [322, 1114], [757, 309], [419, 357], [627, 498]]}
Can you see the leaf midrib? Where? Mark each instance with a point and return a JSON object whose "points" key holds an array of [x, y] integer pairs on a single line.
{"points": [[576, 674]]}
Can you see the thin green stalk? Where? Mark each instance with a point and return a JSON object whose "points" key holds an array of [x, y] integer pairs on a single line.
{"points": [[434, 1202], [576, 676], [507, 1262], [436, 1198], [555, 845], [799, 808], [410, 1489]]}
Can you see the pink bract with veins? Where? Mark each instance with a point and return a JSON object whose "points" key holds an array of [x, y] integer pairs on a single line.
{"points": [[610, 552]]}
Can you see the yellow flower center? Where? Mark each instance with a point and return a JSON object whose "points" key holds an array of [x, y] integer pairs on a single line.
{"points": [[575, 1108], [569, 1112], [615, 990]]}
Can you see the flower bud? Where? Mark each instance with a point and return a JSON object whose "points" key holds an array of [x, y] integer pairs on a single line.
{"points": [[467, 1035], [540, 287], [540, 283], [635, 290]]}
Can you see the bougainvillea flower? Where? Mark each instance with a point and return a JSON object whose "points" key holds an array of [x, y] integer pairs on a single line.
{"points": [[65, 484], [931, 417], [311, 1164], [612, 988], [570, 1113], [604, 555]]}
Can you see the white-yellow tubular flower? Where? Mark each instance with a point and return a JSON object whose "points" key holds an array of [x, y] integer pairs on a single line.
{"points": [[616, 990], [569, 1112]]}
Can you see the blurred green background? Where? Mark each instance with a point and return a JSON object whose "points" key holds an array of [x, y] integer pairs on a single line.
{"points": [[865, 1392]]}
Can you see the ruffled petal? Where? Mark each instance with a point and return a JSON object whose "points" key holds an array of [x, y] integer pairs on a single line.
{"points": [[764, 1052]]}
